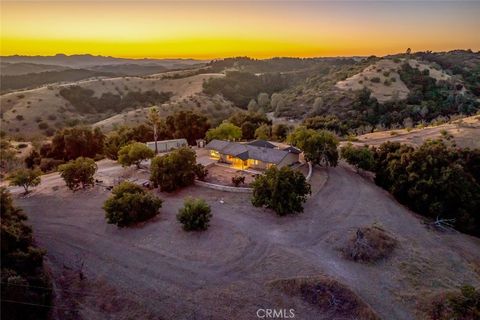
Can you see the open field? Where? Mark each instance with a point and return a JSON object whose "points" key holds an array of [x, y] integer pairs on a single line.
{"points": [[23, 110], [465, 133], [162, 272]]}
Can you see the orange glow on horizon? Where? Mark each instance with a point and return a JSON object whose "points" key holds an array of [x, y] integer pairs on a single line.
{"points": [[208, 30]]}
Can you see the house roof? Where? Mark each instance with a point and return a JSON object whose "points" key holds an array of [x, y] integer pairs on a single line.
{"points": [[262, 143], [247, 151], [292, 149]]}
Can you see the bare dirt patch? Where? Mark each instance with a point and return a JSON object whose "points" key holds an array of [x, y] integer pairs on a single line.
{"points": [[328, 295], [223, 175], [369, 244]]}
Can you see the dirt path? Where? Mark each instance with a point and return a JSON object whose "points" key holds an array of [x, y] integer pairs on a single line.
{"points": [[221, 273]]}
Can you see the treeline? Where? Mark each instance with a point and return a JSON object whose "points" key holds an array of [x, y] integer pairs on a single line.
{"points": [[70, 143], [436, 180], [272, 65], [13, 82], [26, 289], [84, 101], [459, 62], [241, 87]]}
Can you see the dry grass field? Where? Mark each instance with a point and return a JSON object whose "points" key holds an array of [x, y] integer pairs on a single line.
{"points": [[247, 257]]}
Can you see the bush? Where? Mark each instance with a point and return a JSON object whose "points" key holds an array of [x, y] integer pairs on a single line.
{"points": [[463, 305], [78, 173], [129, 204], [134, 153], [200, 171], [43, 125], [174, 170], [369, 245], [283, 190], [375, 80], [19, 117], [49, 164], [25, 178], [22, 270], [387, 83], [238, 180], [360, 157], [195, 215], [225, 131]]}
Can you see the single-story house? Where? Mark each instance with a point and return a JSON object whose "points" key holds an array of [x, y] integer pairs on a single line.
{"points": [[256, 155], [167, 145]]}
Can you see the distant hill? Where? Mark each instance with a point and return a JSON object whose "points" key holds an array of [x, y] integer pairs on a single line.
{"points": [[15, 69], [87, 60]]}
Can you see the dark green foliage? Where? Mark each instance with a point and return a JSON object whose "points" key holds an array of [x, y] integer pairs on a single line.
{"points": [[200, 171], [434, 180], [280, 132], [225, 131], [360, 157], [238, 180], [319, 147], [328, 122], [78, 172], [23, 277], [188, 125], [463, 305], [282, 190], [174, 170], [43, 125], [124, 135], [71, 143], [129, 204], [25, 178], [84, 101], [241, 87], [134, 153], [249, 122], [195, 215], [33, 159]]}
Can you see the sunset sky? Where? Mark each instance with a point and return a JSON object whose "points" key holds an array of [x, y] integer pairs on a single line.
{"points": [[215, 29]]}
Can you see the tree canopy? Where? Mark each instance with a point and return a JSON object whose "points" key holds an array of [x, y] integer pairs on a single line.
{"points": [[78, 172], [25, 178], [195, 215], [225, 131], [134, 153], [174, 170], [130, 203], [360, 157], [319, 147], [282, 190]]}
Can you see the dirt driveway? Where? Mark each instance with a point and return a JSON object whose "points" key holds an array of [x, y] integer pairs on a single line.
{"points": [[163, 272]]}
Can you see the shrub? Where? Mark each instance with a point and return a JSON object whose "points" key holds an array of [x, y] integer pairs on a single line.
{"points": [[393, 79], [360, 157], [225, 131], [22, 270], [78, 173], [19, 117], [43, 125], [195, 215], [25, 178], [200, 171], [52, 117], [129, 204], [283, 190], [22, 145], [174, 170], [463, 305], [387, 83], [134, 153], [369, 244], [238, 180], [49, 164], [375, 80]]}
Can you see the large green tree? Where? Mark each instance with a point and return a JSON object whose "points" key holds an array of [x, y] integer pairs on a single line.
{"points": [[78, 173], [225, 131], [435, 180], [195, 215], [25, 178], [319, 147], [360, 157], [134, 153], [71, 143], [174, 170], [188, 125], [282, 190], [130, 203]]}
